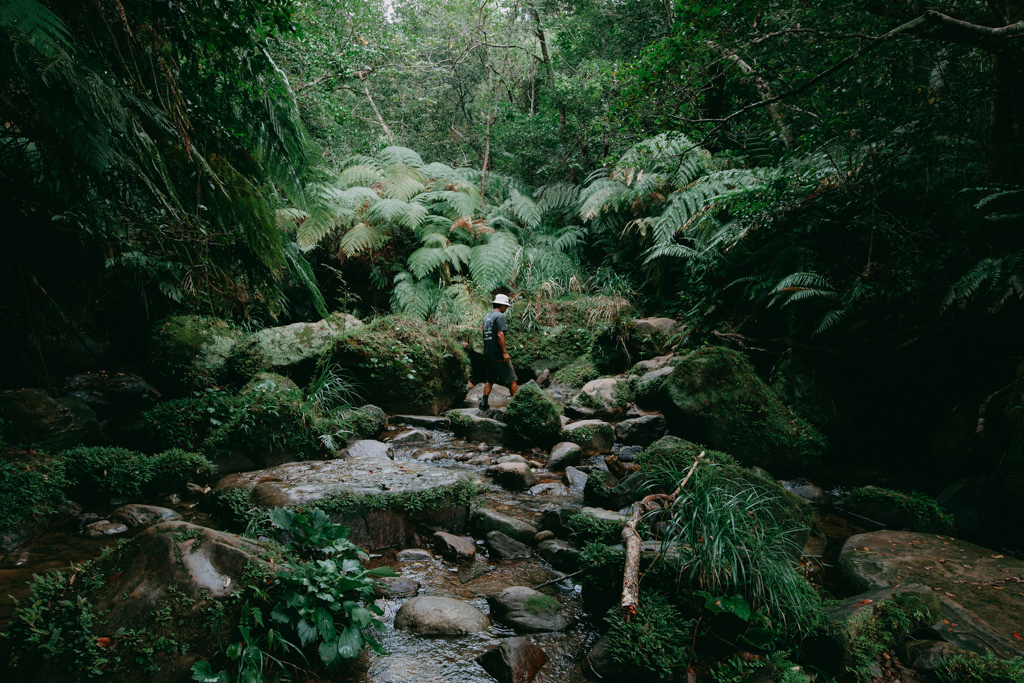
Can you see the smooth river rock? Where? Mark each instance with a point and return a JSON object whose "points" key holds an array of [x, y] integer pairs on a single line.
{"points": [[434, 615]]}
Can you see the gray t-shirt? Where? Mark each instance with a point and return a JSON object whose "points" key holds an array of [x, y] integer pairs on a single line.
{"points": [[494, 322]]}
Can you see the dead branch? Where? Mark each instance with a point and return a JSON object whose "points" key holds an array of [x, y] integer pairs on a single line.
{"points": [[631, 537]]}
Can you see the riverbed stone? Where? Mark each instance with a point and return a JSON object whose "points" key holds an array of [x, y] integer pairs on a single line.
{"points": [[505, 547], [551, 488], [560, 554], [395, 587], [410, 437], [564, 454], [575, 479], [592, 436], [484, 520], [647, 391], [422, 421], [970, 582], [454, 548], [640, 431], [435, 615], [104, 527], [514, 660], [135, 516], [513, 476], [605, 515], [468, 424], [533, 417], [604, 398], [413, 555], [362, 478], [369, 448], [527, 610]]}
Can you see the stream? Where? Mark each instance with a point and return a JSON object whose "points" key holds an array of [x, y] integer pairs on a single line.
{"points": [[415, 657]]}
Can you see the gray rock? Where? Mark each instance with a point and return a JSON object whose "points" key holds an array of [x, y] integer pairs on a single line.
{"points": [[410, 437], [423, 421], [468, 424], [594, 437], [434, 615], [514, 476], [392, 587], [666, 326], [640, 431], [605, 398], [513, 457], [455, 548], [486, 519], [924, 655], [369, 448], [294, 349], [498, 398], [413, 555], [549, 489], [104, 527], [505, 547], [647, 390], [814, 495], [651, 364], [514, 660], [543, 536], [527, 610], [34, 418], [561, 555], [564, 454], [575, 479], [605, 515], [136, 516]]}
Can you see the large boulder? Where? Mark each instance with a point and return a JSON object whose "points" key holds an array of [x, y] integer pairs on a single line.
{"points": [[617, 347], [973, 584], [714, 397], [380, 500], [407, 365], [527, 610], [592, 436], [434, 615], [533, 416], [34, 418], [605, 398], [191, 351], [513, 660], [291, 350]]}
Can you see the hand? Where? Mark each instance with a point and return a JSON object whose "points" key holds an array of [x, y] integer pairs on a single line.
{"points": [[505, 357]]}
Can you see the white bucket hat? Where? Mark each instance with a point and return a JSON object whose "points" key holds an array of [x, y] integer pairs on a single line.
{"points": [[501, 300]]}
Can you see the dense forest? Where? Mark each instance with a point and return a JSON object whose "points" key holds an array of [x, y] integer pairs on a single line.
{"points": [[834, 189]]}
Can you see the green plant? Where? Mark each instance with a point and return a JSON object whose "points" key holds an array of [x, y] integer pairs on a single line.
{"points": [[172, 469], [533, 416], [914, 509], [584, 529], [29, 489], [656, 639], [311, 533], [881, 627], [97, 471], [970, 668], [331, 389]]}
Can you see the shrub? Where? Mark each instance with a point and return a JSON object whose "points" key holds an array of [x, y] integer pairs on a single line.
{"points": [[29, 489], [657, 639], [882, 626], [174, 468], [103, 471], [578, 372], [968, 668]]}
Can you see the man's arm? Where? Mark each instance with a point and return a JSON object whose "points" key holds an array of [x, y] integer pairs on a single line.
{"points": [[501, 344]]}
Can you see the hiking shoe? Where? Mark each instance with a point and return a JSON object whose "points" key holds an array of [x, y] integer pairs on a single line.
{"points": [[483, 403]]}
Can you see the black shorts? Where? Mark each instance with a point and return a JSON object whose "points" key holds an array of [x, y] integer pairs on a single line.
{"points": [[499, 372]]}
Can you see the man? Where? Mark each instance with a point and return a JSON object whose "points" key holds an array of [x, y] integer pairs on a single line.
{"points": [[499, 368]]}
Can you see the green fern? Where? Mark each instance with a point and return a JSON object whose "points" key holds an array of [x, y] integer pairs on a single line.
{"points": [[493, 263]]}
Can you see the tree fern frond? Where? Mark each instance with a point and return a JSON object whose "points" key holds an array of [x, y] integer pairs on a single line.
{"points": [[557, 197], [363, 175], [569, 237], [398, 212], [400, 156], [432, 223], [670, 249], [492, 263], [412, 296], [403, 182], [426, 260], [601, 196], [830, 320], [364, 237], [524, 209], [438, 171]]}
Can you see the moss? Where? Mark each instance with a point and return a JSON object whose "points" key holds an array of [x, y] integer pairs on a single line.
{"points": [[191, 351], [714, 396], [405, 364], [541, 604], [187, 422], [551, 347], [578, 372], [880, 627], [584, 529], [618, 346], [583, 436], [458, 420], [172, 469], [911, 510], [98, 472], [533, 416]]}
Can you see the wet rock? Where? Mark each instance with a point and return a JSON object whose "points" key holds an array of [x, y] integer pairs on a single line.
{"points": [[605, 515], [369, 448], [549, 489], [543, 536], [467, 424], [480, 460], [604, 490], [512, 458], [556, 520], [640, 431], [34, 418], [814, 495], [564, 454], [575, 479], [104, 527], [455, 548], [593, 436], [413, 555], [966, 579], [533, 417], [422, 421], [527, 610], [561, 555], [190, 351], [628, 454], [647, 390], [924, 656], [544, 378], [434, 615], [485, 519], [514, 660], [514, 476], [393, 587], [135, 516], [410, 437], [605, 398], [505, 547], [651, 364]]}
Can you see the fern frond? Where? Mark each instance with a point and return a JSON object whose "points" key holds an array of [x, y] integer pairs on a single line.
{"points": [[364, 237], [398, 212], [492, 263], [403, 182], [524, 209], [363, 175], [602, 196], [426, 260], [569, 237], [400, 156], [413, 297], [300, 269], [557, 197]]}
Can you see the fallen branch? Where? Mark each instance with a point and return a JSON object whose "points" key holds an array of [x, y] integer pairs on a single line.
{"points": [[631, 537], [559, 578]]}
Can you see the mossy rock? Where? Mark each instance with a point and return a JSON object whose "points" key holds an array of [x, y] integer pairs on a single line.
{"points": [[190, 351], [546, 348], [533, 416], [186, 423], [913, 511], [577, 373], [713, 396], [406, 365], [31, 417], [617, 347]]}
